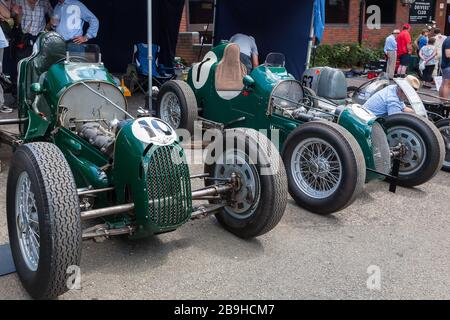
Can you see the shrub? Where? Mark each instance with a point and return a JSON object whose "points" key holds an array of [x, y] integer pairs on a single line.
{"points": [[345, 55]]}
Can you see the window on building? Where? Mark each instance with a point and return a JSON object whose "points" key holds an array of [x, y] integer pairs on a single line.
{"points": [[388, 10], [336, 11], [200, 15], [201, 11]]}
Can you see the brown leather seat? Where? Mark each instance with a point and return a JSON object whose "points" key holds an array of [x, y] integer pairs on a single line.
{"points": [[230, 72]]}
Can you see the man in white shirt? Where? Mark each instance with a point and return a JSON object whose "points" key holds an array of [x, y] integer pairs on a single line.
{"points": [[249, 50], [440, 38]]}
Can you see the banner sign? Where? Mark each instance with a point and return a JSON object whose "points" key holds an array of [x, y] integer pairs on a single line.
{"points": [[422, 11]]}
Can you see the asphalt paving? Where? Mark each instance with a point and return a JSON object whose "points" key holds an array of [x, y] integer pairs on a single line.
{"points": [[384, 246]]}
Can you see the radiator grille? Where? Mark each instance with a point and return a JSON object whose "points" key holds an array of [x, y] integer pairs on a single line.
{"points": [[381, 151], [169, 187]]}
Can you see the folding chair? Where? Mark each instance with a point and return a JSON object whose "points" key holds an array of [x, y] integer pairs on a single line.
{"points": [[137, 71]]}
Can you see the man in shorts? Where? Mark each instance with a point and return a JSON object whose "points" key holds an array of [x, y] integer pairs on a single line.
{"points": [[445, 66], [404, 49]]}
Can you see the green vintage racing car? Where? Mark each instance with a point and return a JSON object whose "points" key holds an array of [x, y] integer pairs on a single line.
{"points": [[329, 150], [80, 156]]}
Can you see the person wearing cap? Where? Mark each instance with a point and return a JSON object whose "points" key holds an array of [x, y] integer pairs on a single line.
{"points": [[404, 49], [390, 49], [391, 100]]}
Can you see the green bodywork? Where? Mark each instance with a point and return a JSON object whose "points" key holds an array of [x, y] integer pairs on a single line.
{"points": [[160, 206], [253, 105]]}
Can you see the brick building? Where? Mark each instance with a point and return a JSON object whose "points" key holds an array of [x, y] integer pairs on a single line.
{"points": [[347, 21]]}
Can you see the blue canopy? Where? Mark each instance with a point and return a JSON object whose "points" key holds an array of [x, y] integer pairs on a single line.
{"points": [[319, 19], [278, 26]]}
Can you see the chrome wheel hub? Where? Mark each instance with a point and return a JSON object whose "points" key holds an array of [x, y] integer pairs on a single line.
{"points": [[27, 222], [171, 109], [316, 168], [414, 157], [244, 199]]}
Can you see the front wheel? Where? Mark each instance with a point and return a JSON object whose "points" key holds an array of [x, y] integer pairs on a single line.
{"points": [[424, 147], [258, 205], [43, 219], [325, 167], [444, 127], [177, 105]]}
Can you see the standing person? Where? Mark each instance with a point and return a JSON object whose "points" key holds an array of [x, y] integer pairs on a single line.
{"points": [[440, 38], [390, 49], [249, 50], [5, 14], [30, 17], [422, 40], [404, 49], [445, 65], [428, 56], [69, 17]]}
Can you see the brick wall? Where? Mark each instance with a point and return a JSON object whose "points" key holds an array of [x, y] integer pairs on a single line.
{"points": [[338, 33], [348, 33], [184, 21], [189, 47]]}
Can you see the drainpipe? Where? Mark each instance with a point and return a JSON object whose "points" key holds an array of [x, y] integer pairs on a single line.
{"points": [[362, 6]]}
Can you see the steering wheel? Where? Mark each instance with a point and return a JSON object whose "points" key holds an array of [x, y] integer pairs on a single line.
{"points": [[74, 59]]}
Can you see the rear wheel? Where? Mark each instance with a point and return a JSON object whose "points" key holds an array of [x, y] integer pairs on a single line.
{"points": [[43, 219], [444, 127], [425, 150], [258, 205], [325, 167], [177, 105]]}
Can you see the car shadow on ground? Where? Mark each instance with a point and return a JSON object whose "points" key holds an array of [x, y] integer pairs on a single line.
{"points": [[155, 251]]}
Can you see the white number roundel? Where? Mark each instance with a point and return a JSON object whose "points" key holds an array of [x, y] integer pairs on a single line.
{"points": [[200, 71], [73, 17]]}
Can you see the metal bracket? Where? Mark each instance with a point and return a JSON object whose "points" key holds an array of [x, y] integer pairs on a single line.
{"points": [[391, 178]]}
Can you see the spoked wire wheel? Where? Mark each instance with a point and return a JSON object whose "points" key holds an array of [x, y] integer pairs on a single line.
{"points": [[27, 222], [177, 105], [317, 168], [170, 109], [325, 167]]}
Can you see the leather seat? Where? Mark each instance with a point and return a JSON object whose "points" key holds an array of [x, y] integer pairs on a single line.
{"points": [[230, 72], [51, 48]]}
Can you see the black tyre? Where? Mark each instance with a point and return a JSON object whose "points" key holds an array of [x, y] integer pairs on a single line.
{"points": [[444, 127], [425, 150], [260, 202], [45, 238], [325, 167], [177, 105]]}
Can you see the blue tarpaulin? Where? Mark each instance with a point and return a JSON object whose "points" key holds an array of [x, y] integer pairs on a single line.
{"points": [[278, 26], [319, 19]]}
